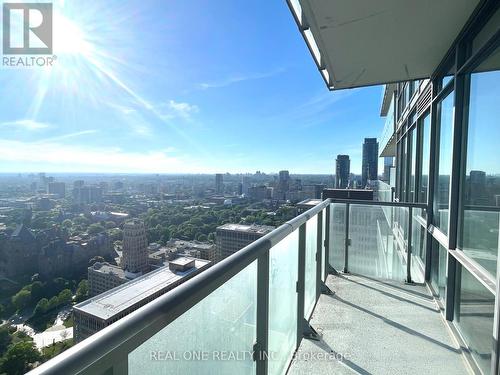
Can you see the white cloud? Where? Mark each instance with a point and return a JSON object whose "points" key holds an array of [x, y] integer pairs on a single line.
{"points": [[238, 78], [69, 135], [53, 156], [181, 107], [25, 124]]}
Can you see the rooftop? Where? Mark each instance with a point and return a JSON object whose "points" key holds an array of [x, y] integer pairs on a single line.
{"points": [[107, 268], [253, 228], [114, 301]]}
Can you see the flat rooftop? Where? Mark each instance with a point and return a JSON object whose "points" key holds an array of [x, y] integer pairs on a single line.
{"points": [[109, 269], [260, 229], [116, 300]]}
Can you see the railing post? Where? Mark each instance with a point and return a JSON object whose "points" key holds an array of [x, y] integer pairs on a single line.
{"points": [[347, 239], [261, 346], [319, 253], [327, 268], [301, 283], [408, 254]]}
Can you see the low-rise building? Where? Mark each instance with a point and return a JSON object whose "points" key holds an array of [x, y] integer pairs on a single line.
{"points": [[104, 309]]}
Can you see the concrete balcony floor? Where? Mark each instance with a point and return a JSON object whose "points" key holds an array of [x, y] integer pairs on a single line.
{"points": [[380, 327]]}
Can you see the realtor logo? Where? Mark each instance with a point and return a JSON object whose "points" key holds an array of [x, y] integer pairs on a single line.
{"points": [[27, 28]]}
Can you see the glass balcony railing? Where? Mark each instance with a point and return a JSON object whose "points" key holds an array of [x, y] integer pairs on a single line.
{"points": [[388, 131], [248, 313]]}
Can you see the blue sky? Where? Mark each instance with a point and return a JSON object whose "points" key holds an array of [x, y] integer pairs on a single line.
{"points": [[179, 86]]}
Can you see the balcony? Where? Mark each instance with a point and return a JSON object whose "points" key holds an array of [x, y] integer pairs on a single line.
{"points": [[338, 289]]}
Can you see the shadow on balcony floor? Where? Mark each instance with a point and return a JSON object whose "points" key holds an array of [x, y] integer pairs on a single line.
{"points": [[378, 327]]}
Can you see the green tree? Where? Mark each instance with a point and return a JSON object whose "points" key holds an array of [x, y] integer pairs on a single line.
{"points": [[53, 303], [201, 237], [67, 223], [110, 224], [166, 235], [64, 297], [2, 310], [21, 299], [19, 358], [82, 292], [95, 228], [41, 307], [81, 220], [37, 291], [5, 338]]}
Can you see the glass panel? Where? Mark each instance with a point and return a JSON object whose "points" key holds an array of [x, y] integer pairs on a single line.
{"points": [[283, 303], [337, 236], [404, 168], [446, 80], [474, 306], [481, 189], [418, 243], [310, 277], [425, 125], [373, 251], [438, 269], [219, 326], [323, 250], [487, 31], [443, 169], [413, 153]]}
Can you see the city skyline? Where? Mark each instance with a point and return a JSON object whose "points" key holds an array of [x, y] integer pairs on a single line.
{"points": [[134, 105]]}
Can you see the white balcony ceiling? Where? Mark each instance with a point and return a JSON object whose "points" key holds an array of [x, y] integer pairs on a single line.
{"points": [[369, 42]]}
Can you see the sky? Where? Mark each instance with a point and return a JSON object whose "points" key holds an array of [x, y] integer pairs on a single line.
{"points": [[179, 86]]}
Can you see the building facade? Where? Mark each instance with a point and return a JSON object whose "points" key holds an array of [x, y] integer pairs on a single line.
{"points": [[135, 247], [342, 171], [104, 276], [57, 188], [219, 183], [233, 237], [369, 163], [444, 144]]}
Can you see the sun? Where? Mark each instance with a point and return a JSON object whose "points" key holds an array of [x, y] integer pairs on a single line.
{"points": [[69, 38]]}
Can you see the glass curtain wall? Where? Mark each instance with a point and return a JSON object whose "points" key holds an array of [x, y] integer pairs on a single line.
{"points": [[444, 159], [480, 211]]}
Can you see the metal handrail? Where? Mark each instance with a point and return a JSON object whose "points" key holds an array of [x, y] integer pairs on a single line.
{"points": [[379, 203], [110, 347], [113, 343]]}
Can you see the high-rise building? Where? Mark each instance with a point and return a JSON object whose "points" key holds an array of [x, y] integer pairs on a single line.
{"points": [[283, 185], [233, 237], [219, 183], [87, 194], [135, 247], [342, 171], [370, 161], [57, 188]]}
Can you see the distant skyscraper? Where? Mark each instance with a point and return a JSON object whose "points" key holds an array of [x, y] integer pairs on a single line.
{"points": [[135, 246], [342, 171], [57, 188], [219, 183], [370, 161], [283, 184], [476, 189]]}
